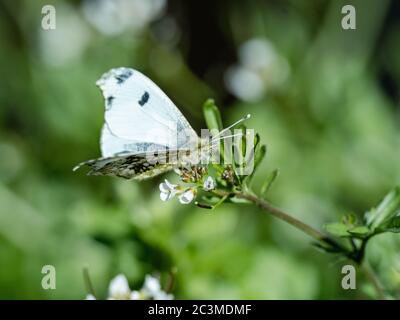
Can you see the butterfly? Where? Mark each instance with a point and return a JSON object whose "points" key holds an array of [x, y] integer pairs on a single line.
{"points": [[143, 129]]}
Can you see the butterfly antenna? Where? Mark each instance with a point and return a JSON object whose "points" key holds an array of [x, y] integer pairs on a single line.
{"points": [[232, 125], [232, 136], [215, 141]]}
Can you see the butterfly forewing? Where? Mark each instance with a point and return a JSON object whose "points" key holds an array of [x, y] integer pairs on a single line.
{"points": [[137, 110]]}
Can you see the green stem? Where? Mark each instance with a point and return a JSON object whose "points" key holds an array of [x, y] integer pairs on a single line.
{"points": [[370, 274], [88, 282], [278, 213], [357, 256], [360, 252]]}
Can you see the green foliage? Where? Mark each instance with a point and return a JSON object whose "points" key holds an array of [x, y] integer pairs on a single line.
{"points": [[342, 230], [337, 229], [386, 213], [391, 225], [269, 181], [360, 231], [382, 219], [212, 115]]}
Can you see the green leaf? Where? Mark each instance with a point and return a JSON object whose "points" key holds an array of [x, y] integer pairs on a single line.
{"points": [[360, 231], [259, 156], [256, 140], [386, 210], [326, 247], [212, 115], [253, 157], [337, 229], [392, 225], [270, 180], [243, 129], [349, 219]]}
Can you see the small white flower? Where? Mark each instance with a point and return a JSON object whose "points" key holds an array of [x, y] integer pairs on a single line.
{"points": [[119, 288], [162, 295], [135, 295], [152, 290], [151, 286], [167, 190], [187, 197], [209, 184]]}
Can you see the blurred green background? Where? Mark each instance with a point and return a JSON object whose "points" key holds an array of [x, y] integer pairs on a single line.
{"points": [[325, 101]]}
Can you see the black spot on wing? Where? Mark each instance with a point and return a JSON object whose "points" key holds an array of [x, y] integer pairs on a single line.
{"points": [[145, 97], [121, 78], [109, 101]]}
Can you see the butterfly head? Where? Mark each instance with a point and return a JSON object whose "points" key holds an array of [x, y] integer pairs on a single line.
{"points": [[204, 149]]}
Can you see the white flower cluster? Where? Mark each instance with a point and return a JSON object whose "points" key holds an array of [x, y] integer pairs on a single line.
{"points": [[185, 195], [169, 190], [119, 290]]}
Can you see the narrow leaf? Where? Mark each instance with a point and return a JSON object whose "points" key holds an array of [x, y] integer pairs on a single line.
{"points": [[259, 156], [270, 180], [360, 231], [392, 225], [349, 219], [388, 208], [252, 157], [256, 140], [212, 115], [337, 229]]}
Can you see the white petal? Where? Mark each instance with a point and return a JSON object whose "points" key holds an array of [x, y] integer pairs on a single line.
{"points": [[164, 196], [187, 197], [151, 286], [135, 295], [90, 297], [164, 187], [171, 186], [162, 295], [119, 287], [209, 184]]}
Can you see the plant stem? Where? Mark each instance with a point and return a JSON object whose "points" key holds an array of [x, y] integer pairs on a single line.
{"points": [[360, 252], [278, 213], [356, 256], [88, 282], [370, 274]]}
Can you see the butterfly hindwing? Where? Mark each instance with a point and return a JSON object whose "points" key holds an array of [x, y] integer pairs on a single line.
{"points": [[132, 166]]}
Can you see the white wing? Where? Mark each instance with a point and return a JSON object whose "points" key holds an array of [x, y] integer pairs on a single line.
{"points": [[139, 116], [112, 146]]}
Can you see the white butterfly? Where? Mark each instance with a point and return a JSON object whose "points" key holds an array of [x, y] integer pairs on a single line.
{"points": [[139, 120]]}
